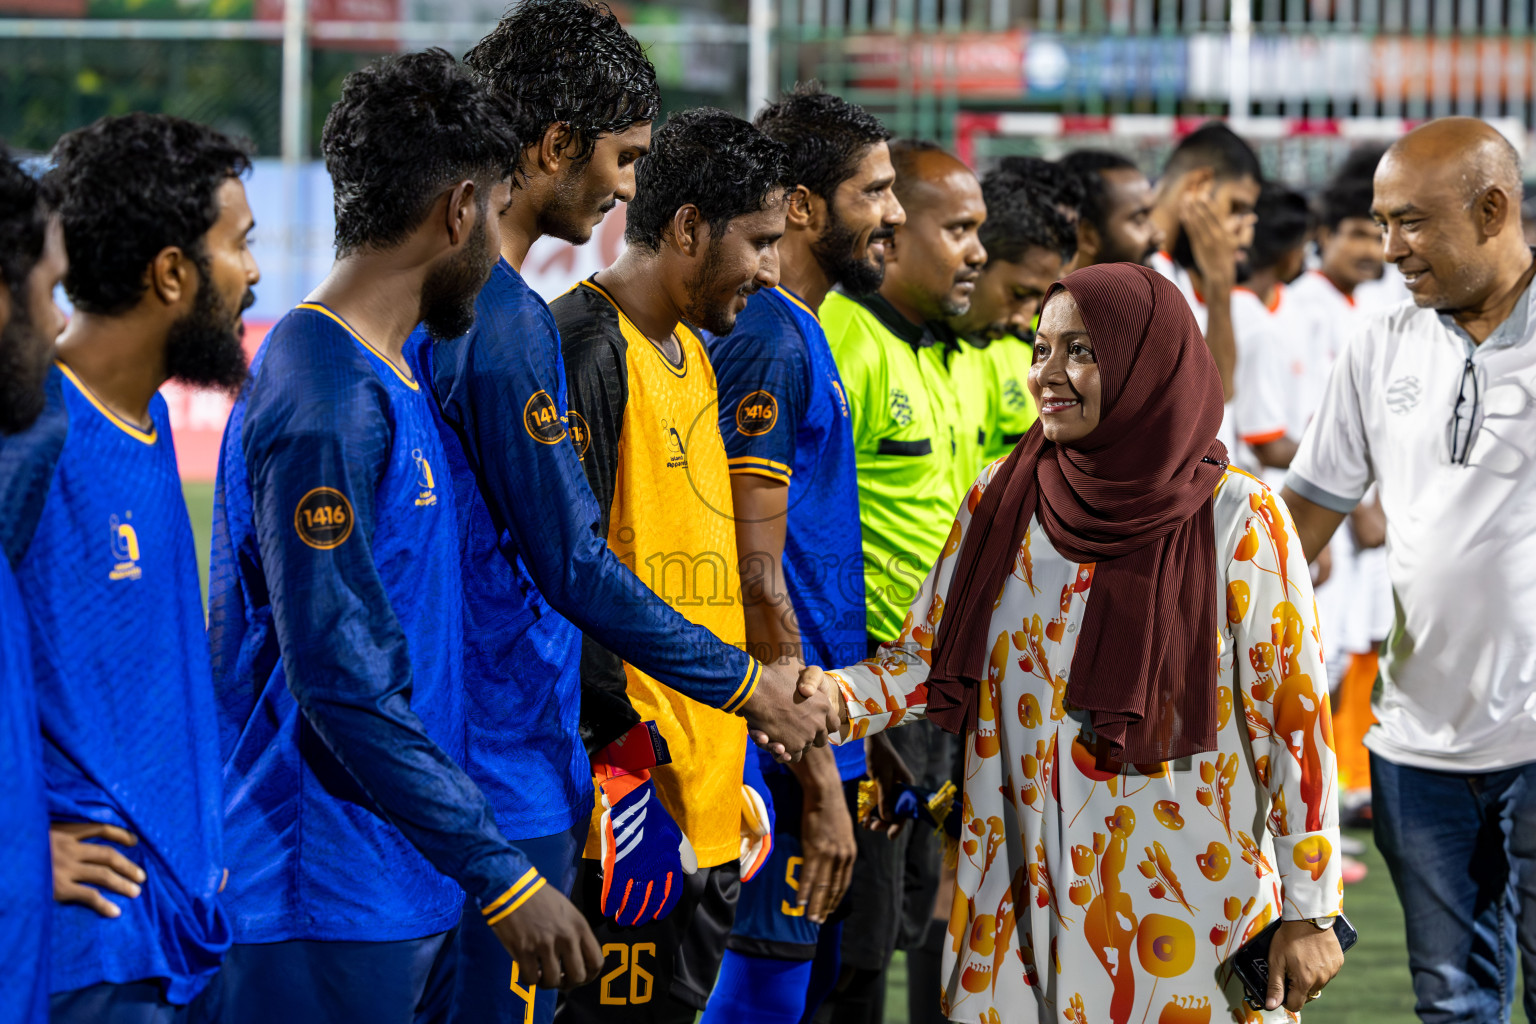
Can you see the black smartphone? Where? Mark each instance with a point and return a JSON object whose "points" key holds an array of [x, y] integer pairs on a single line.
{"points": [[1251, 962]]}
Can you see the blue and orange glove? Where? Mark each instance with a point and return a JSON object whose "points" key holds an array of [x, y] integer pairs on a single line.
{"points": [[756, 817], [645, 855]]}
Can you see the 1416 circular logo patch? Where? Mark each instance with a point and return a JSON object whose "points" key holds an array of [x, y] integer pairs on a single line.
{"points": [[756, 413], [324, 518]]}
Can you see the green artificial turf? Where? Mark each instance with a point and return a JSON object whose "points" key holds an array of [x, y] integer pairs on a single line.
{"points": [[199, 495]]}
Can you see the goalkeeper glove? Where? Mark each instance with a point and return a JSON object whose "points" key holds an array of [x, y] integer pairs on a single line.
{"points": [[644, 853]]}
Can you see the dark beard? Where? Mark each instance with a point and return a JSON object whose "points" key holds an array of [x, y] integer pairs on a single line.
{"points": [[204, 348], [24, 361], [702, 310], [449, 292], [834, 252]]}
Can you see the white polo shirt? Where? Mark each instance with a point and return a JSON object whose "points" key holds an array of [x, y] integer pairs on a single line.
{"points": [[1458, 674], [1256, 413]]}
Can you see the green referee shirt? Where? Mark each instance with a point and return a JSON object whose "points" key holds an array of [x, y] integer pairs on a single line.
{"points": [[910, 439], [1008, 361]]}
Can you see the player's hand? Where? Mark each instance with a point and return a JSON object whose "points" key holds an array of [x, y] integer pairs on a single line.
{"points": [[1306, 956], [782, 719], [1210, 241], [550, 941], [891, 774], [813, 680], [826, 840], [82, 868]]}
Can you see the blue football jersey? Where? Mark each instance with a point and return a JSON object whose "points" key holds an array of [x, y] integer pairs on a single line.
{"points": [[336, 625], [26, 876], [537, 568], [120, 657], [784, 415]]}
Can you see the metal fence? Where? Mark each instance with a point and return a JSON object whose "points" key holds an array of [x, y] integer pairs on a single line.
{"points": [[920, 64]]}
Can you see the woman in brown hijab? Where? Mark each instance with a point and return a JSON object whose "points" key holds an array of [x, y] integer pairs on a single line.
{"points": [[1122, 628]]}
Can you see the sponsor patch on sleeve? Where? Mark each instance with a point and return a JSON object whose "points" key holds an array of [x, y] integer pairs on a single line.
{"points": [[323, 518], [581, 436], [542, 419], [756, 413]]}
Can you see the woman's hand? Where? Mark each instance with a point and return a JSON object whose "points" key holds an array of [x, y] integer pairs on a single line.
{"points": [[1306, 956], [81, 868]]}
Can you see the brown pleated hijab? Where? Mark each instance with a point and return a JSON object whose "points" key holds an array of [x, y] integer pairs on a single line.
{"points": [[1134, 497]]}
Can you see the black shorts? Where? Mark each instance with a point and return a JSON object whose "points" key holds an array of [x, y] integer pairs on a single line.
{"points": [[660, 972]]}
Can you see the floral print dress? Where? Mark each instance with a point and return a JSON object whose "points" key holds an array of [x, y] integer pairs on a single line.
{"points": [[1089, 893]]}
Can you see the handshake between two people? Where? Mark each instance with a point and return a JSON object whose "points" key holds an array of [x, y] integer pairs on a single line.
{"points": [[795, 707]]}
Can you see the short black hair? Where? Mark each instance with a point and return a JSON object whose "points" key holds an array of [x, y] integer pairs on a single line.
{"points": [[1345, 199], [24, 212], [1218, 147], [1284, 222], [570, 62], [1021, 216], [1360, 163], [128, 187], [709, 158], [826, 135], [1088, 166], [406, 128], [1051, 180]]}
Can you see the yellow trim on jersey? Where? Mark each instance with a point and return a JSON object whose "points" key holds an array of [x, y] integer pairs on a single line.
{"points": [[317, 308], [499, 900], [746, 689], [535, 887], [757, 464], [792, 297], [677, 371], [142, 436]]}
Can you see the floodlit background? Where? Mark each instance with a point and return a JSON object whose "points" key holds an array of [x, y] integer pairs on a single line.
{"points": [[1303, 80]]}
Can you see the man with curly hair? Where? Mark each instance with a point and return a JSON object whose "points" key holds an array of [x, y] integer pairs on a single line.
{"points": [[702, 230], [785, 420], [32, 263], [1028, 240], [537, 574], [155, 220], [336, 612]]}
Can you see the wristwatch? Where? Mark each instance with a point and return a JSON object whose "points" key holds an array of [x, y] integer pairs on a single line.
{"points": [[1322, 924]]}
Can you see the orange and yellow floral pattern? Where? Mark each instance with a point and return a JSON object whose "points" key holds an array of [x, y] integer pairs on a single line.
{"points": [[1136, 883]]}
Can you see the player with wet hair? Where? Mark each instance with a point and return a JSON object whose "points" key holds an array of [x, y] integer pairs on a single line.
{"points": [[537, 575]]}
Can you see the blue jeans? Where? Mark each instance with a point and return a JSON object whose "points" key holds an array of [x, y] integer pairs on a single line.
{"points": [[1462, 851]]}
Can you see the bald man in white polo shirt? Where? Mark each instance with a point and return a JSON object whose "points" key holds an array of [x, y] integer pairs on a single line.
{"points": [[1435, 402]]}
